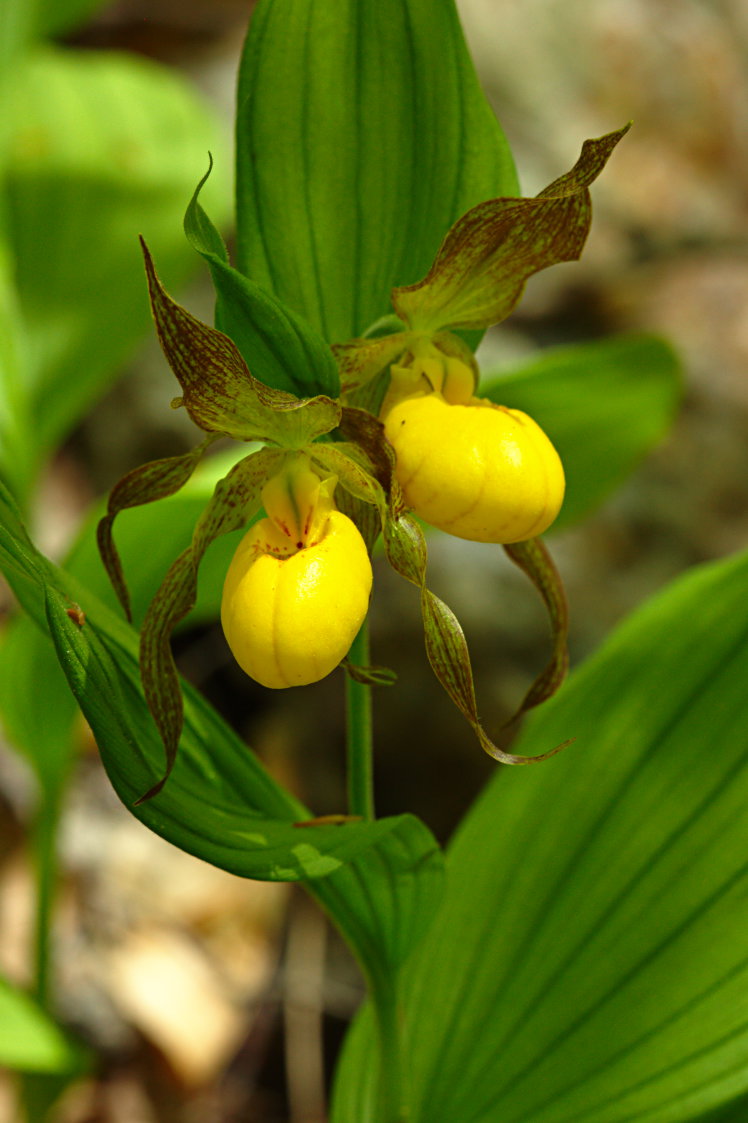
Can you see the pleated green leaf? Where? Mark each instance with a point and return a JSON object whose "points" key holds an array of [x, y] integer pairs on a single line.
{"points": [[362, 135], [591, 962], [603, 404], [220, 393], [103, 147], [29, 1039]]}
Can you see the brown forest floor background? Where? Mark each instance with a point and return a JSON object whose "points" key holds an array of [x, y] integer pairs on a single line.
{"points": [[184, 977]]}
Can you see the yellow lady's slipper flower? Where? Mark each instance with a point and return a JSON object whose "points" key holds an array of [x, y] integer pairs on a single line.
{"points": [[297, 590], [478, 471]]}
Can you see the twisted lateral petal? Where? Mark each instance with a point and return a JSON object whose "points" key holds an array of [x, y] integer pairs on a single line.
{"points": [[477, 471], [289, 621]]}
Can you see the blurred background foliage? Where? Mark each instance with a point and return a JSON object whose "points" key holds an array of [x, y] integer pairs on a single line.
{"points": [[99, 143]]}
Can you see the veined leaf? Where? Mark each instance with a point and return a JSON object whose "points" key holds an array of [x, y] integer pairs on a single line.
{"points": [[362, 135], [591, 960]]}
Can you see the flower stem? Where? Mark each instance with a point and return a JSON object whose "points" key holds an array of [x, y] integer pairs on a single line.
{"points": [[390, 1106], [359, 733]]}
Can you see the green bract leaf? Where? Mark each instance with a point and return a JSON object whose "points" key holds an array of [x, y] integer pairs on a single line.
{"points": [[236, 499], [362, 134], [481, 268], [603, 404], [283, 351], [220, 394], [590, 962]]}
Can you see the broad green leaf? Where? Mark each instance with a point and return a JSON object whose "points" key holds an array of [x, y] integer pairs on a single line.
{"points": [[219, 392], [29, 1039], [279, 348], [603, 404], [362, 135], [590, 963], [247, 824], [104, 147], [384, 901], [481, 268]]}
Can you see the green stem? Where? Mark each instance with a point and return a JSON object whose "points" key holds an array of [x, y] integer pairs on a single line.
{"points": [[359, 733], [390, 1106]]}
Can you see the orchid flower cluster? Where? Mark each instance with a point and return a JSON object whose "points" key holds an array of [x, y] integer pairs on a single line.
{"points": [[398, 431]]}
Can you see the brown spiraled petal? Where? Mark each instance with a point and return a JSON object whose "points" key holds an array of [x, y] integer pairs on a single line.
{"points": [[219, 392], [145, 484], [533, 558], [481, 268], [236, 498], [446, 645], [366, 517], [363, 429]]}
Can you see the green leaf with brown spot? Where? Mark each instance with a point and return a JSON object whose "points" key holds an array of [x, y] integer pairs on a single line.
{"points": [[480, 271], [219, 392], [360, 360]]}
